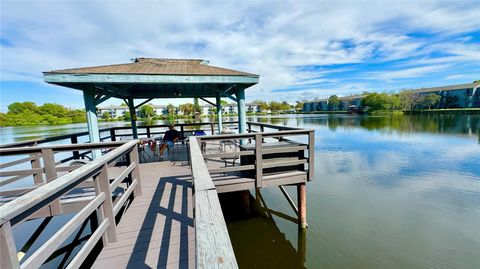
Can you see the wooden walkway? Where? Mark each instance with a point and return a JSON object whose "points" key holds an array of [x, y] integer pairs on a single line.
{"points": [[157, 229]]}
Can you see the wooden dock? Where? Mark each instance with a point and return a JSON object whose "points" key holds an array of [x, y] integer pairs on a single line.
{"points": [[158, 214]]}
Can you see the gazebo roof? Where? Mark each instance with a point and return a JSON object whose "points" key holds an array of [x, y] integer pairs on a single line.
{"points": [[155, 66], [154, 78]]}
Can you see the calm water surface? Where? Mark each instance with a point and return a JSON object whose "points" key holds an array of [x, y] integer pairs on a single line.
{"points": [[401, 192]]}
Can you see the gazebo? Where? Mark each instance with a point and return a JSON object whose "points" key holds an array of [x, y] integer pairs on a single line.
{"points": [[150, 78]]}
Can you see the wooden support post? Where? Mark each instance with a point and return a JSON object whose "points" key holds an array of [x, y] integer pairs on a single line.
{"points": [[133, 117], [258, 161], [76, 153], [242, 114], [92, 119], [262, 129], [133, 156], [311, 155], [8, 250], [302, 205], [51, 174], [102, 184], [182, 131], [302, 245], [212, 128], [219, 113], [148, 131], [113, 136]]}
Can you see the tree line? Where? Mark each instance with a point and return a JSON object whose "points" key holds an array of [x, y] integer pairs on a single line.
{"points": [[404, 100], [28, 113]]}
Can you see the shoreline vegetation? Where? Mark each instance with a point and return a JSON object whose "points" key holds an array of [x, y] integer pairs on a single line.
{"points": [[30, 114]]}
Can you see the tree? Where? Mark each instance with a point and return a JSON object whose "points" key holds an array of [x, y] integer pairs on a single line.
{"points": [[408, 99], [106, 115], [126, 116], [19, 107], [146, 111], [262, 105], [380, 101], [171, 109], [299, 105], [28, 113], [187, 109], [333, 102], [431, 99]]}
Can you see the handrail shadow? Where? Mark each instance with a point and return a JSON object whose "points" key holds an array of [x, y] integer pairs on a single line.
{"points": [[139, 254]]}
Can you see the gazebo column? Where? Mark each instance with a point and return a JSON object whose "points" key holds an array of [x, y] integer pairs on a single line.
{"points": [[219, 113], [242, 114], [133, 117], [92, 120]]}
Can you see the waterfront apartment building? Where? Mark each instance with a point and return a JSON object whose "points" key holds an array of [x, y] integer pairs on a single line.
{"points": [[206, 109], [452, 96]]}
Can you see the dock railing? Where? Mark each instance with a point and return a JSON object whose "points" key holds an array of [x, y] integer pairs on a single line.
{"points": [[213, 247], [259, 150], [100, 205]]}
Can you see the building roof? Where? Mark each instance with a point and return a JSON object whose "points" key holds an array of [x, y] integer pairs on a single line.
{"points": [[432, 89], [157, 66], [447, 88]]}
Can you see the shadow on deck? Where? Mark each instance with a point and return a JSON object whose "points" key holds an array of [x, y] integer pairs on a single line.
{"points": [[157, 230]]}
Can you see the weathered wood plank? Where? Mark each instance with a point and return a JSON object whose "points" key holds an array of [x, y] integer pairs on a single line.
{"points": [[122, 176], [8, 250], [133, 155], [229, 154], [232, 169], [200, 173], [89, 245], [43, 252], [258, 161], [311, 155], [102, 185], [214, 249], [50, 175], [124, 197]]}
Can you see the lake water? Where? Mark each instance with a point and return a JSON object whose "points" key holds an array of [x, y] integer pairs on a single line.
{"points": [[400, 192], [388, 192]]}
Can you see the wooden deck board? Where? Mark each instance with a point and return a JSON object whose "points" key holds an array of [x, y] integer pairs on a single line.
{"points": [[157, 229]]}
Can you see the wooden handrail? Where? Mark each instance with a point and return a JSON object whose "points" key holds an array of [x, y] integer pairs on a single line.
{"points": [[213, 246], [25, 205], [101, 204]]}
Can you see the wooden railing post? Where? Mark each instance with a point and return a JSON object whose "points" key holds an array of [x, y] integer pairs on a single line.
{"points": [[74, 140], [8, 250], [212, 128], [51, 174], [113, 137], [262, 129], [133, 156], [182, 131], [311, 155], [35, 162], [102, 184], [258, 161], [148, 131]]}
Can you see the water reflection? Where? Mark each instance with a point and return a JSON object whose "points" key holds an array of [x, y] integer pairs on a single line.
{"points": [[257, 240], [389, 192]]}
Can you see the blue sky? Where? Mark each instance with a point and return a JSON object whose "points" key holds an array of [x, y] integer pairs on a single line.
{"points": [[301, 49]]}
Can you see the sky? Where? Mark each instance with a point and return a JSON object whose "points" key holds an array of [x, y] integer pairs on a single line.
{"points": [[300, 49]]}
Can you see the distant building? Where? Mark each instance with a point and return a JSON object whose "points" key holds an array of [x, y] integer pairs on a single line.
{"points": [[453, 96], [119, 111]]}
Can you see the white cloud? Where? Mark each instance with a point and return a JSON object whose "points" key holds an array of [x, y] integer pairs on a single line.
{"points": [[268, 38]]}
